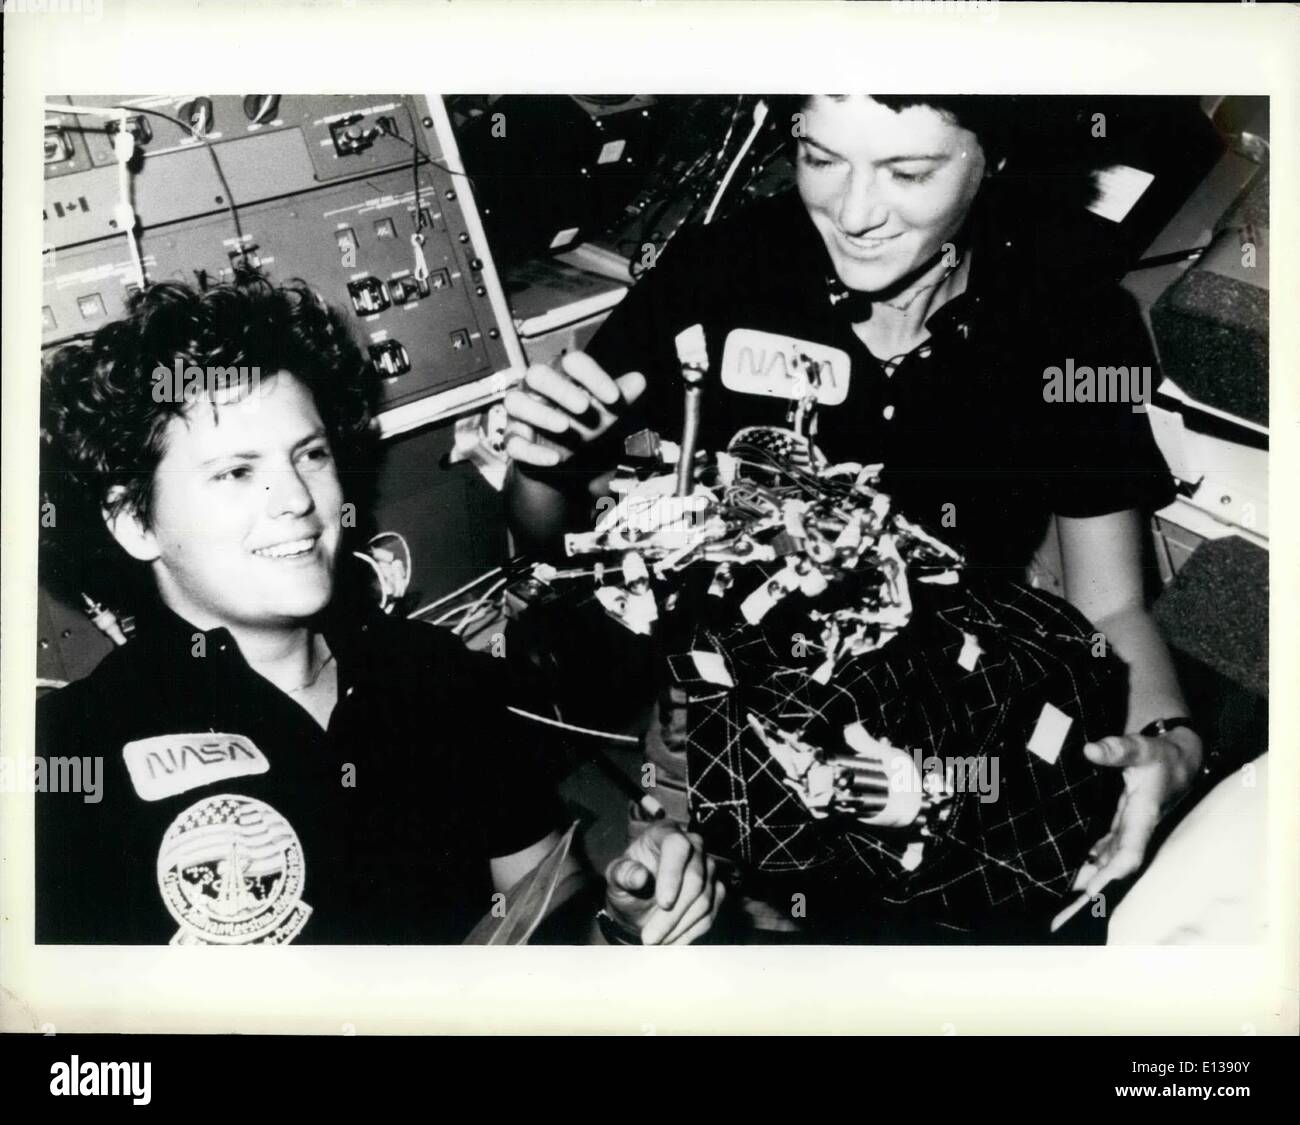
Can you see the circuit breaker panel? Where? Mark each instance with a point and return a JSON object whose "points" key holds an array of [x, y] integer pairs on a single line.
{"points": [[329, 189]]}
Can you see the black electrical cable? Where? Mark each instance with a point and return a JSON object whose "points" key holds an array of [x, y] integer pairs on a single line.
{"points": [[76, 338], [216, 164], [415, 172], [417, 154], [421, 154]]}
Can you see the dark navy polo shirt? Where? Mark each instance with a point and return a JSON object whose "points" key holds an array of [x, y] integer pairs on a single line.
{"points": [[962, 421], [223, 798]]}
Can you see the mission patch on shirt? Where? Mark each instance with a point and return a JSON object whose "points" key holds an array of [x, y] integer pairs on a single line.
{"points": [[229, 816]]}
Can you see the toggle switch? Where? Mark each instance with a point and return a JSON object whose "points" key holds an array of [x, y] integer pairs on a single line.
{"points": [[407, 290], [58, 145], [261, 108], [197, 115], [137, 125], [369, 296], [246, 257], [390, 359]]}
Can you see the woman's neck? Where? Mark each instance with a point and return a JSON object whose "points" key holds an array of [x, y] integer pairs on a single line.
{"points": [[288, 658], [287, 655], [296, 659], [897, 324], [299, 663]]}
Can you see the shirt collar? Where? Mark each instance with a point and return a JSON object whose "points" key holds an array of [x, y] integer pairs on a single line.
{"points": [[347, 625], [990, 241], [997, 243], [158, 625]]}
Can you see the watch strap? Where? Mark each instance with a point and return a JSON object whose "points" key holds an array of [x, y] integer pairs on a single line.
{"points": [[1164, 726], [1212, 765]]}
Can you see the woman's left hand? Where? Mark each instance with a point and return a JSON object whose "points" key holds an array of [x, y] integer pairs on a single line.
{"points": [[1158, 771], [666, 886]]}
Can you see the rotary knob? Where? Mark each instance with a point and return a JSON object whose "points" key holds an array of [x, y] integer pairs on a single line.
{"points": [[197, 114], [261, 108]]}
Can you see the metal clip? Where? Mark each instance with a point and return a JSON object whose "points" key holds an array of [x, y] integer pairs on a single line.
{"points": [[421, 266]]}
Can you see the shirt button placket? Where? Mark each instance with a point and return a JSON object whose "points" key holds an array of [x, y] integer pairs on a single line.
{"points": [[922, 353]]}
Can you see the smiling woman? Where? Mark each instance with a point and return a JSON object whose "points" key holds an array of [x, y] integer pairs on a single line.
{"points": [[283, 761], [906, 257], [886, 189], [113, 430], [246, 516]]}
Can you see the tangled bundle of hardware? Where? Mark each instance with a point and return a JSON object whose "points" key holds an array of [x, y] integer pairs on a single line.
{"points": [[857, 707], [772, 526]]}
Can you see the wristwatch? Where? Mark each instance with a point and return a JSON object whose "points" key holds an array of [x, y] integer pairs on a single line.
{"points": [[1210, 763], [1164, 726]]}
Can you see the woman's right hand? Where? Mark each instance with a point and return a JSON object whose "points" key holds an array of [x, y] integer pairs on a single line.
{"points": [[552, 413]]}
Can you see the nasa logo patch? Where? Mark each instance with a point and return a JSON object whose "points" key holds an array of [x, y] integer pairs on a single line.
{"points": [[175, 763], [765, 363], [231, 872]]}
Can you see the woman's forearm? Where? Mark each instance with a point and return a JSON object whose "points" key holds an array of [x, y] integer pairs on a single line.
{"points": [[538, 513], [1153, 685], [1101, 559]]}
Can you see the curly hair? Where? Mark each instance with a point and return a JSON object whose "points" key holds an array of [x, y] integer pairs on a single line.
{"points": [[104, 429]]}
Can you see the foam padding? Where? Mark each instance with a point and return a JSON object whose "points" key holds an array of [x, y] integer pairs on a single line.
{"points": [[1212, 324], [1216, 610], [1213, 337]]}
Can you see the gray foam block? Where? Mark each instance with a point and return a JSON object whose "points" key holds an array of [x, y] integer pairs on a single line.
{"points": [[1212, 324], [1216, 610], [1212, 332]]}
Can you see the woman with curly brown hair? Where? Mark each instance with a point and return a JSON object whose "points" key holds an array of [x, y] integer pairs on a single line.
{"points": [[281, 763]]}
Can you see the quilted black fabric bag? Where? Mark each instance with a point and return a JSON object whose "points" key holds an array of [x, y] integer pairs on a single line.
{"points": [[1019, 805]]}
